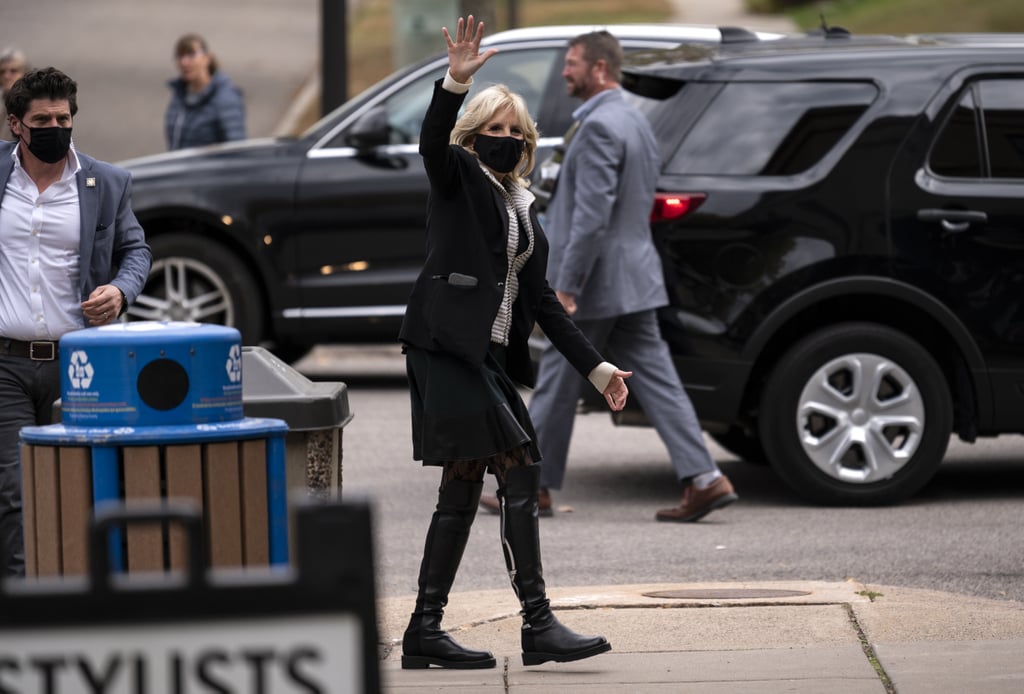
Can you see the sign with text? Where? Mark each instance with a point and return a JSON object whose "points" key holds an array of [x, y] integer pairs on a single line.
{"points": [[307, 655], [309, 628]]}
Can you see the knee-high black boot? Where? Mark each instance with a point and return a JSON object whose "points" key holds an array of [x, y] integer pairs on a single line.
{"points": [[425, 643], [544, 637]]}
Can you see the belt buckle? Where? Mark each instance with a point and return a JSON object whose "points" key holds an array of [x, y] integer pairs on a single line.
{"points": [[40, 351]]}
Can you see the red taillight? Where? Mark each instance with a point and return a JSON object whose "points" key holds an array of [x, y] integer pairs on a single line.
{"points": [[672, 206]]}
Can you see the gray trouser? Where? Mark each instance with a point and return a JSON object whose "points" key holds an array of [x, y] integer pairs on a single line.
{"points": [[27, 392], [633, 343]]}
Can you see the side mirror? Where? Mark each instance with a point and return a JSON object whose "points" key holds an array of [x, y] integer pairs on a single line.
{"points": [[371, 130]]}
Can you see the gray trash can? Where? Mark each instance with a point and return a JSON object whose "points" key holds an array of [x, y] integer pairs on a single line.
{"points": [[316, 413]]}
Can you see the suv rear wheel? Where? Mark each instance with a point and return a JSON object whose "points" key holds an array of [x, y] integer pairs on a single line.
{"points": [[856, 413]]}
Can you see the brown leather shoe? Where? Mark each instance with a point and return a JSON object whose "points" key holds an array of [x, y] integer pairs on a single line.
{"points": [[490, 503], [544, 508], [698, 503]]}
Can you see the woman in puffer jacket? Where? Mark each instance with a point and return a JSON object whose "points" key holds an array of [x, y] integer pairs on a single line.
{"points": [[206, 106]]}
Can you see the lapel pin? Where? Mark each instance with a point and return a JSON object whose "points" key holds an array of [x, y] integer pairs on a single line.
{"points": [[90, 182]]}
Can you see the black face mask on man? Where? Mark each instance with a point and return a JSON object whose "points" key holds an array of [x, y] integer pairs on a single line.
{"points": [[49, 144], [501, 154]]}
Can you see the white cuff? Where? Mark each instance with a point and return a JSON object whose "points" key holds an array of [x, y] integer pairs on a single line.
{"points": [[602, 375], [450, 85]]}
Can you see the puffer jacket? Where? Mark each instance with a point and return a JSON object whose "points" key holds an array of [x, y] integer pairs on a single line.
{"points": [[216, 115]]}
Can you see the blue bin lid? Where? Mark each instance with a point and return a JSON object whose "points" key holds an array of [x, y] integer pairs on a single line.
{"points": [[151, 373]]}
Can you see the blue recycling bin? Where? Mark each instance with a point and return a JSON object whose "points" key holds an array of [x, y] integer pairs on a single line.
{"points": [[151, 374], [154, 410]]}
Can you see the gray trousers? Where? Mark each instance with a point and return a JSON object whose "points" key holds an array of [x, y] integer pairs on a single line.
{"points": [[27, 392], [633, 343]]}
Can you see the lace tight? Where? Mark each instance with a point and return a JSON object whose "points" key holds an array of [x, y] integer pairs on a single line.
{"points": [[473, 470]]}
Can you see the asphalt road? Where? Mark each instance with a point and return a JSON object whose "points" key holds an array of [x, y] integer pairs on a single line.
{"points": [[961, 534], [121, 54]]}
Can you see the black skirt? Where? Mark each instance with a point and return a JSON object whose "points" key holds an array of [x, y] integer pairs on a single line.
{"points": [[463, 412]]}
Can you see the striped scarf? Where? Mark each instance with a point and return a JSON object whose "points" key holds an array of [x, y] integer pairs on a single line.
{"points": [[517, 204]]}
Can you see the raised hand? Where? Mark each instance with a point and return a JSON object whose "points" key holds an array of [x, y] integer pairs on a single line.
{"points": [[464, 56]]}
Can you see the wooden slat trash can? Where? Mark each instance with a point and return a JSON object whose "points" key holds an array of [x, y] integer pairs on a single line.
{"points": [[234, 471], [153, 411]]}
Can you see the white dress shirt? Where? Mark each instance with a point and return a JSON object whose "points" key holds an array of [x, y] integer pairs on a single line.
{"points": [[40, 236]]}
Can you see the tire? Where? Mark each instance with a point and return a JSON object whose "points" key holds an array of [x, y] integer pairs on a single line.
{"points": [[196, 279], [837, 438], [744, 444]]}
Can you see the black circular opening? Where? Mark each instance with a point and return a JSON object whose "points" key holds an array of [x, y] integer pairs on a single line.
{"points": [[163, 384]]}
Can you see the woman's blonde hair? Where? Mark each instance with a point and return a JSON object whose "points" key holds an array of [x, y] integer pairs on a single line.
{"points": [[481, 109]]}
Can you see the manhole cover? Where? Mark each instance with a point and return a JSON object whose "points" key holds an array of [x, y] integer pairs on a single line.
{"points": [[727, 593]]}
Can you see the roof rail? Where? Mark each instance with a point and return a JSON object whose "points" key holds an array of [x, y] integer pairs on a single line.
{"points": [[830, 32], [837, 33], [732, 34]]}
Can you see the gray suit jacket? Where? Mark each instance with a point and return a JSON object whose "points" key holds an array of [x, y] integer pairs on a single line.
{"points": [[598, 222], [113, 247]]}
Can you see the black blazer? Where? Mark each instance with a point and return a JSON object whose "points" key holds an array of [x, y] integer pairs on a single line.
{"points": [[467, 229]]}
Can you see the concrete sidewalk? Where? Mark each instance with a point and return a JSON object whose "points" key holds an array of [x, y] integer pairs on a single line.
{"points": [[808, 637]]}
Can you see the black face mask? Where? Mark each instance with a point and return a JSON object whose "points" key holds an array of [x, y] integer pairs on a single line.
{"points": [[49, 144], [499, 153]]}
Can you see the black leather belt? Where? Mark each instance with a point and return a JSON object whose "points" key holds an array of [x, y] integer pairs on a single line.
{"points": [[37, 350]]}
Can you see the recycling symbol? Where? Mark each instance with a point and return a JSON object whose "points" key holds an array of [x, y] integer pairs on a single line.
{"points": [[80, 371], [234, 364]]}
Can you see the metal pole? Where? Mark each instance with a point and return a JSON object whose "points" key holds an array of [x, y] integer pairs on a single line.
{"points": [[333, 54]]}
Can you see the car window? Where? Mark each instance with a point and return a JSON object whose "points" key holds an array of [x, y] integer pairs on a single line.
{"points": [[984, 136], [523, 71], [1002, 103], [770, 129], [957, 150]]}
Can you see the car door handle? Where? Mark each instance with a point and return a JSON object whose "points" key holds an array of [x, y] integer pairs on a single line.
{"points": [[955, 221]]}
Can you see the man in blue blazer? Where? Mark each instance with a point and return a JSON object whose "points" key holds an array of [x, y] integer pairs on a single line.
{"points": [[72, 255], [607, 274]]}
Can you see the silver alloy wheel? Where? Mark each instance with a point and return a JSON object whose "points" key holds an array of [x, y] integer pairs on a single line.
{"points": [[860, 418], [184, 289]]}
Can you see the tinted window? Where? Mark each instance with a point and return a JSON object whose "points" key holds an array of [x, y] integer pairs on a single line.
{"points": [[1002, 103], [770, 129], [957, 151], [523, 71], [984, 136]]}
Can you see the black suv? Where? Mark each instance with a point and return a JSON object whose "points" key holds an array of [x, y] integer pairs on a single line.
{"points": [[841, 221]]}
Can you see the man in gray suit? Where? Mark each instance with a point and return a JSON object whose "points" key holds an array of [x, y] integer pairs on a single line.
{"points": [[607, 274], [72, 255]]}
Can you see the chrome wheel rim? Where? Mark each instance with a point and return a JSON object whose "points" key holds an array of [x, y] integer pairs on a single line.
{"points": [[183, 289], [860, 418]]}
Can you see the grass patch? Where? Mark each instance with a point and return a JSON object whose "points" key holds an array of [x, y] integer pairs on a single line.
{"points": [[539, 12], [913, 16]]}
